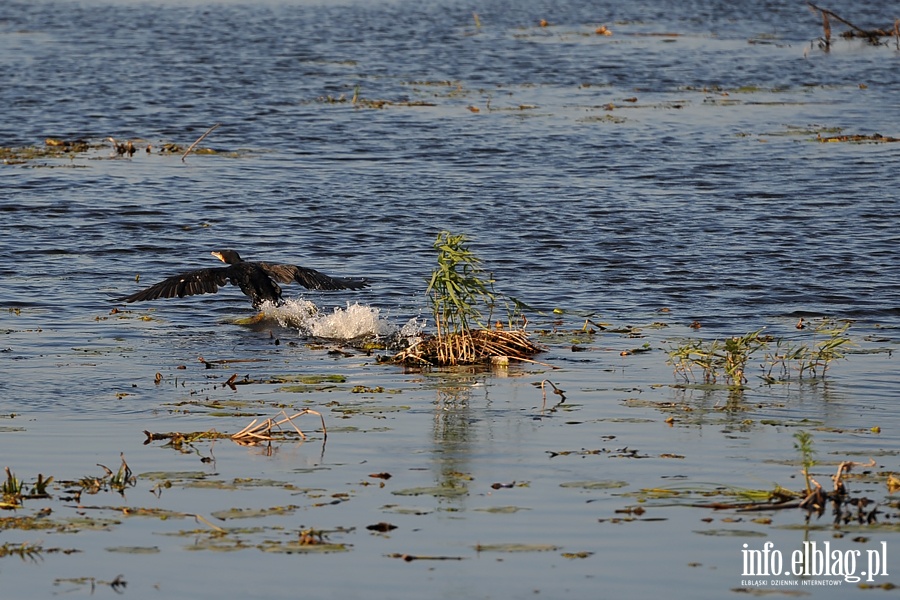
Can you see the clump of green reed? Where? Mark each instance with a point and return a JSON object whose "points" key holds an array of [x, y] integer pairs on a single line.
{"points": [[11, 488], [39, 489], [23, 551], [13, 491], [807, 360], [463, 301], [804, 445], [716, 359], [122, 478], [459, 288], [726, 361], [117, 481]]}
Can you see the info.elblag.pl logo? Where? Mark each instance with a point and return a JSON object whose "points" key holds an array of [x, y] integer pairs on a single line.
{"points": [[816, 560]]}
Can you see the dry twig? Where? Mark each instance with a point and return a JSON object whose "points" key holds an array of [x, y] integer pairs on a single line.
{"points": [[262, 432], [199, 139]]}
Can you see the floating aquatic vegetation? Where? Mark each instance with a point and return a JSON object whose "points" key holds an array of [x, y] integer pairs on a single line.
{"points": [[174, 475], [134, 549], [463, 301], [56, 148], [728, 359], [52, 148], [516, 547], [308, 541], [121, 479], [502, 510], [253, 513], [873, 36], [32, 552], [268, 430], [739, 533], [716, 359], [804, 446], [11, 489], [309, 379], [595, 485], [373, 408], [438, 491], [875, 138]]}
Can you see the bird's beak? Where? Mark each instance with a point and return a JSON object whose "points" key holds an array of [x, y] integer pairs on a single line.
{"points": [[218, 255]]}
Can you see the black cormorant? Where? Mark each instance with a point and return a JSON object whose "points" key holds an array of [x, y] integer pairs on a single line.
{"points": [[258, 280]]}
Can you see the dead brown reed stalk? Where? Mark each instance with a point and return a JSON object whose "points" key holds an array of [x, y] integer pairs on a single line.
{"points": [[257, 431], [471, 347], [872, 35]]}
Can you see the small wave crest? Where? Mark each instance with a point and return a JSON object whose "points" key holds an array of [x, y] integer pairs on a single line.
{"points": [[355, 322]]}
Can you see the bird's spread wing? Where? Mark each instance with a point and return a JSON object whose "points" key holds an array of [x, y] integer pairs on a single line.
{"points": [[310, 278], [204, 281]]}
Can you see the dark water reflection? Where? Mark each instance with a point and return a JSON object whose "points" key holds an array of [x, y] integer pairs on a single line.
{"points": [[611, 176]]}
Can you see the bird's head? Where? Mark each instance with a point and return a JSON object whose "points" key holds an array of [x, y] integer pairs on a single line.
{"points": [[227, 256]]}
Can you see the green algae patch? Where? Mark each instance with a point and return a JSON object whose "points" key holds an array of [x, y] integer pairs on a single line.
{"points": [[406, 510], [502, 510], [438, 491], [253, 513], [33, 523], [607, 484], [162, 514], [217, 544], [173, 475], [300, 384], [78, 524], [52, 149], [134, 549], [219, 406], [731, 533], [252, 482], [240, 483], [516, 548], [306, 388], [309, 379], [299, 547], [368, 409]]}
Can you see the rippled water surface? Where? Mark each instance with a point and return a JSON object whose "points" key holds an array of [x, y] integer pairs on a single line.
{"points": [[673, 173]]}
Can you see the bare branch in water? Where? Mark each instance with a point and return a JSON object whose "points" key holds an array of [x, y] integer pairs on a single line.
{"points": [[199, 139]]}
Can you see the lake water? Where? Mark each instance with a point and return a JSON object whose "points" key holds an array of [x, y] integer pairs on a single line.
{"points": [[671, 174]]}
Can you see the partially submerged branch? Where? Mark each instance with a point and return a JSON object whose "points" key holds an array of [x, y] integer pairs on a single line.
{"points": [[199, 139], [872, 35]]}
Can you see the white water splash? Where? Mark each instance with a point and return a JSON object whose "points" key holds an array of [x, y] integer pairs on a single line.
{"points": [[353, 322]]}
